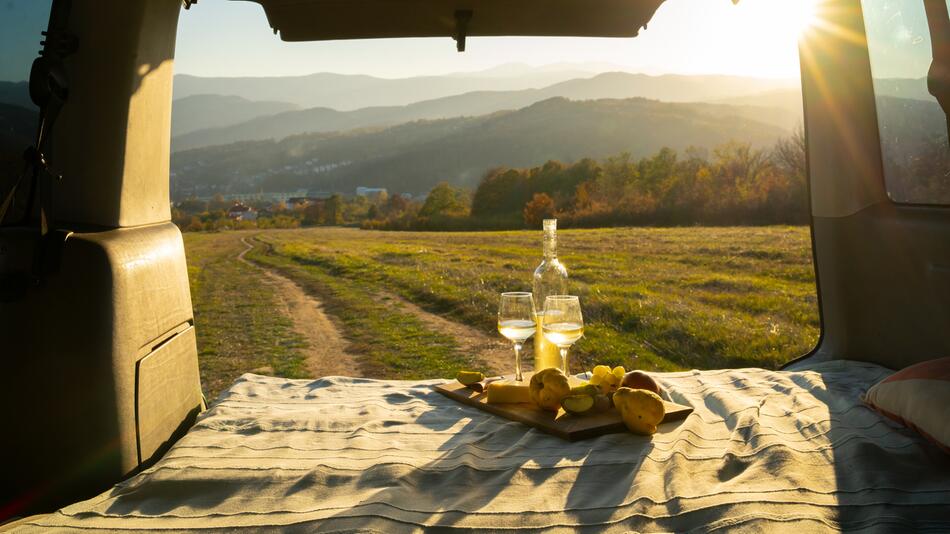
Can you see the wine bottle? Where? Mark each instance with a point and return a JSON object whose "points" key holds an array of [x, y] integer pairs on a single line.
{"points": [[550, 278]]}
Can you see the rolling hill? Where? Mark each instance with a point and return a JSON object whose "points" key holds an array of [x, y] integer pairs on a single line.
{"points": [[17, 126], [199, 112], [669, 88], [15, 93], [354, 91], [415, 156]]}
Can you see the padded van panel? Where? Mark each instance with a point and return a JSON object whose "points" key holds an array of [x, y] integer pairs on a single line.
{"points": [[70, 348], [885, 284], [113, 136], [169, 394]]}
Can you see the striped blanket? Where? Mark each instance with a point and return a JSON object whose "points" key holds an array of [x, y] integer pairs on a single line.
{"points": [[763, 451]]}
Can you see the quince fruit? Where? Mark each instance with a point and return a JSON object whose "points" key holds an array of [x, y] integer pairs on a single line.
{"points": [[548, 387], [641, 410]]}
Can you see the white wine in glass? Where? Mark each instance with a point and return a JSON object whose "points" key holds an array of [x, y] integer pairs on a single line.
{"points": [[562, 324], [516, 322]]}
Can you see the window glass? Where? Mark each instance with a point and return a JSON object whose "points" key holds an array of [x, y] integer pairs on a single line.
{"points": [[912, 124], [20, 25], [356, 207]]}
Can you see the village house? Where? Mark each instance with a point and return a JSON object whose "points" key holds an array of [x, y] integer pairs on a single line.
{"points": [[242, 212]]}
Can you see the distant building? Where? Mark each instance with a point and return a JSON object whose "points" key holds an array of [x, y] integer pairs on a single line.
{"points": [[303, 202], [241, 212], [282, 196], [371, 192], [296, 202]]}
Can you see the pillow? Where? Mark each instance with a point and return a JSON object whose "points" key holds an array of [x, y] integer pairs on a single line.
{"points": [[918, 397]]}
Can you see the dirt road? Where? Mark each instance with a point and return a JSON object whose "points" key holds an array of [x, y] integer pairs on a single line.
{"points": [[326, 352]]}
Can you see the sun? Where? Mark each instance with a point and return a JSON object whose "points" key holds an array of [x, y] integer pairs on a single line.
{"points": [[780, 19], [799, 15]]}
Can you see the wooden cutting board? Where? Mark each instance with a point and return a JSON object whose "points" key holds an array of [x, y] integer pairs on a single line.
{"points": [[560, 424]]}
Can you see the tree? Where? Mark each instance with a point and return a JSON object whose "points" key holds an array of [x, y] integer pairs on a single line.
{"points": [[445, 200], [396, 205], [789, 154], [540, 207], [192, 205], [218, 203], [314, 214], [334, 210]]}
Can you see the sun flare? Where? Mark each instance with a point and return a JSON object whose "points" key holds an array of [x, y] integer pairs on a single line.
{"points": [[788, 18], [802, 14]]}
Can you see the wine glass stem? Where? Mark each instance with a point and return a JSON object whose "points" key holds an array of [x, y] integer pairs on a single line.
{"points": [[564, 361], [518, 376]]}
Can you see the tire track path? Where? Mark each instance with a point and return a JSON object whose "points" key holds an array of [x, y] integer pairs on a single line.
{"points": [[327, 339], [326, 352]]}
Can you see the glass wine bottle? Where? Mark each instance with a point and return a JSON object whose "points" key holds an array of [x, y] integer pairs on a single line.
{"points": [[550, 278]]}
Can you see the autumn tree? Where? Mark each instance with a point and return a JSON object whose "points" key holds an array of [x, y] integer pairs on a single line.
{"points": [[218, 203], [445, 200], [540, 207], [315, 213], [334, 210]]}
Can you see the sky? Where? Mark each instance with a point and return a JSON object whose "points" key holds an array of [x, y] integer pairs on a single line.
{"points": [[756, 37], [21, 22], [753, 38]]}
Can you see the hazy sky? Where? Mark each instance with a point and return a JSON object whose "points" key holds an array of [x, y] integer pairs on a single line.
{"points": [[757, 37]]}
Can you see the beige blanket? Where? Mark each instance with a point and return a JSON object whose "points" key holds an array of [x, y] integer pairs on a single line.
{"points": [[763, 451]]}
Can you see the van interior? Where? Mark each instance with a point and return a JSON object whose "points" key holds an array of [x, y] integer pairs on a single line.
{"points": [[102, 383]]}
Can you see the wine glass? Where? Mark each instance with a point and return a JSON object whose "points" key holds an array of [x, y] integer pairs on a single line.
{"points": [[516, 323], [562, 323]]}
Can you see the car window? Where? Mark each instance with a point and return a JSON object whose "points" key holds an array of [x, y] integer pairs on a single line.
{"points": [[20, 25], [913, 127]]}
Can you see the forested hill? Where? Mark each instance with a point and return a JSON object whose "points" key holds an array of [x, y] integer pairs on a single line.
{"points": [[356, 91], [214, 119], [326, 118], [415, 156], [201, 112]]}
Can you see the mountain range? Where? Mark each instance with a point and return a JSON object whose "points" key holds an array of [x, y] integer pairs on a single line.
{"points": [[198, 112], [414, 156], [346, 92], [219, 119], [332, 131], [669, 88]]}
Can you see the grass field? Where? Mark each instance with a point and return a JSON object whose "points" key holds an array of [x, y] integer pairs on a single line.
{"points": [[653, 298], [237, 328]]}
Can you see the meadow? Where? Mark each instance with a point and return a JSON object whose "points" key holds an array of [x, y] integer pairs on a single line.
{"points": [[658, 299]]}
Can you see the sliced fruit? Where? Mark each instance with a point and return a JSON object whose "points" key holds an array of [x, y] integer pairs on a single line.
{"points": [[586, 389], [467, 378], [508, 393], [577, 404]]}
